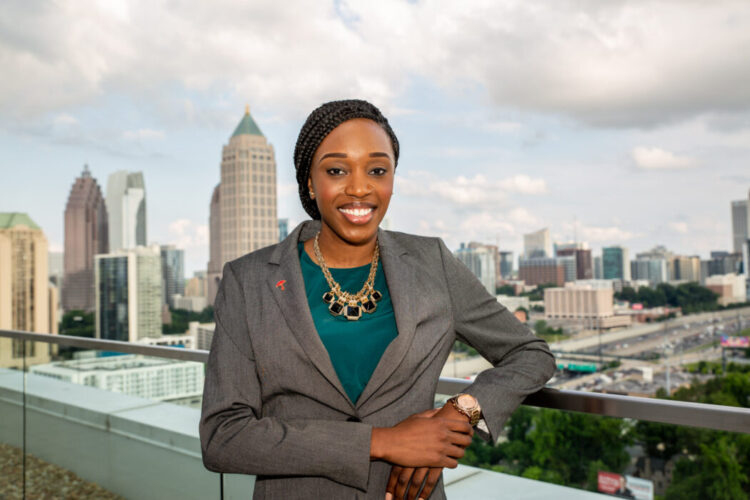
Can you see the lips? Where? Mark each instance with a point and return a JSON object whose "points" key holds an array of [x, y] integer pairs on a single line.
{"points": [[357, 213]]}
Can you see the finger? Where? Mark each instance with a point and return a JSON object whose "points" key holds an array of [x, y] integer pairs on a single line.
{"points": [[455, 452], [391, 486], [432, 479], [459, 426], [462, 440], [428, 413], [402, 482], [449, 463], [416, 482]]}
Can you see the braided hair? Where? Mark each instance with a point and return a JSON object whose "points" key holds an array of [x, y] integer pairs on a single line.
{"points": [[318, 125]]}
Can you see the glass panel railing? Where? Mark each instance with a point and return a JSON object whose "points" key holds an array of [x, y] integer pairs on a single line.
{"points": [[11, 421], [107, 424]]}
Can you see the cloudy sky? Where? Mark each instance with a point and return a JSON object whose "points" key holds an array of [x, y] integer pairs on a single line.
{"points": [[610, 122]]}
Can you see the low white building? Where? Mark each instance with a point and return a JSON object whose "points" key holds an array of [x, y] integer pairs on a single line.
{"points": [[513, 303], [190, 303], [132, 374], [730, 287], [203, 333]]}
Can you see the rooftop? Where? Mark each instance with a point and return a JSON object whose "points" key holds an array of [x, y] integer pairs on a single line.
{"points": [[247, 125], [13, 219]]}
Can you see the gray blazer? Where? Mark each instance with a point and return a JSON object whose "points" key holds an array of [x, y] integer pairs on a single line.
{"points": [[273, 405]]}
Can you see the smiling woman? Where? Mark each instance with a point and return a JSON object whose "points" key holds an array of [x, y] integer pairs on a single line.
{"points": [[324, 387]]}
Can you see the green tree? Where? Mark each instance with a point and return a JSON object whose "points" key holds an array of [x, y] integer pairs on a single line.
{"points": [[78, 324], [715, 473], [505, 290]]}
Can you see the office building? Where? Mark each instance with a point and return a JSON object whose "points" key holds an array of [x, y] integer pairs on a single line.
{"points": [[213, 274], [569, 268], [537, 244], [582, 254], [194, 304], [730, 287], [283, 229], [740, 223], [203, 333], [196, 286], [652, 270], [615, 263], [126, 210], [129, 294], [541, 271], [687, 268], [481, 260], [173, 273], [86, 234], [598, 268], [506, 264], [246, 199], [141, 376], [27, 302], [576, 300]]}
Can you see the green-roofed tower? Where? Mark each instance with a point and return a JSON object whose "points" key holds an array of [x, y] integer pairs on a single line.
{"points": [[243, 214], [247, 125], [13, 219]]}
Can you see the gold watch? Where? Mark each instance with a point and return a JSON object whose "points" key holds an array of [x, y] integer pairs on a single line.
{"points": [[468, 405]]}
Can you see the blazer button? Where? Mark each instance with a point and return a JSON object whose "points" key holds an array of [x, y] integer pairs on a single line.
{"points": [[353, 419]]}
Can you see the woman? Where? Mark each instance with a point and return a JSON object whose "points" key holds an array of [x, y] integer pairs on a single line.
{"points": [[328, 346]]}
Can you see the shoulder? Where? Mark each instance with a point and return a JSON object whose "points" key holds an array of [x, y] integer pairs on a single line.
{"points": [[428, 250], [252, 262]]}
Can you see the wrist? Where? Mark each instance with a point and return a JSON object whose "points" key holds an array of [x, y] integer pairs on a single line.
{"points": [[450, 412], [377, 443]]}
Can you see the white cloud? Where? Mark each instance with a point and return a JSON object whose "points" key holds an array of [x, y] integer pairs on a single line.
{"points": [[679, 227], [187, 234], [606, 235], [477, 191], [660, 159], [607, 63]]}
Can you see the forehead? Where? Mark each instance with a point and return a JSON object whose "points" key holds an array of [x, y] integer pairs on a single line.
{"points": [[355, 135]]}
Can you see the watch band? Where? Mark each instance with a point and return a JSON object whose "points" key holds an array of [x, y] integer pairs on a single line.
{"points": [[472, 413]]}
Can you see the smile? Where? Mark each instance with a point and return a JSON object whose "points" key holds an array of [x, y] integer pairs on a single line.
{"points": [[359, 215]]}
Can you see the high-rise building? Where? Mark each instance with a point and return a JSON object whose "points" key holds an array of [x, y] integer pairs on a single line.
{"points": [[541, 271], [283, 228], [687, 268], [27, 302], [582, 254], [615, 263], [598, 268], [173, 273], [653, 270], [126, 210], [247, 197], [569, 267], [481, 259], [86, 234], [740, 223], [506, 264], [213, 274], [129, 294], [537, 244], [196, 286]]}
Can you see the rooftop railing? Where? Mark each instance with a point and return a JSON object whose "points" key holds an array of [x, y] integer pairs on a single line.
{"points": [[714, 417]]}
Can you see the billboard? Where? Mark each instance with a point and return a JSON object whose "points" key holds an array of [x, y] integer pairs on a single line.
{"points": [[735, 341], [625, 486]]}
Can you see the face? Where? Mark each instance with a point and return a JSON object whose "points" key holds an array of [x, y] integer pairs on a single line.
{"points": [[351, 177]]}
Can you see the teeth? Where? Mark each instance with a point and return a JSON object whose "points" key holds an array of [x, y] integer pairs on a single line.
{"points": [[357, 212]]}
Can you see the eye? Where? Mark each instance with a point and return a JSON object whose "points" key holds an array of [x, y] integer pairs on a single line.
{"points": [[379, 171], [335, 171]]}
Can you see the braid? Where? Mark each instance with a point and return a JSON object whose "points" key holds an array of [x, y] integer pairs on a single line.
{"points": [[318, 125]]}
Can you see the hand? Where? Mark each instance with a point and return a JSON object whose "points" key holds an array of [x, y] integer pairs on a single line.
{"points": [[422, 440], [400, 476]]}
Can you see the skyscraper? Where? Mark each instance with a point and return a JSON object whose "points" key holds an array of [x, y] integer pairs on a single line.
{"points": [[615, 263], [173, 273], [537, 244], [740, 223], [129, 294], [213, 274], [247, 217], [27, 302], [506, 264], [481, 260], [582, 254], [126, 210], [86, 234]]}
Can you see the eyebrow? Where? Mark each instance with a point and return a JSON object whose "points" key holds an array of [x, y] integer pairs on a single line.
{"points": [[343, 155]]}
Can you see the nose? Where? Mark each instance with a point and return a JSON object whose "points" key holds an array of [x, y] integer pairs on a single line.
{"points": [[358, 184]]}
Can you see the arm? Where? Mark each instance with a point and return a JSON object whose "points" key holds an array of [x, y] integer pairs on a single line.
{"points": [[234, 435], [522, 363]]}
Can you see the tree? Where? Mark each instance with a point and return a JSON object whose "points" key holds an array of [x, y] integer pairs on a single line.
{"points": [[78, 324], [715, 473], [505, 290]]}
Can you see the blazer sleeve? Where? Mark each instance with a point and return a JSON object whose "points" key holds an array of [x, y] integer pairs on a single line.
{"points": [[522, 363], [235, 438]]}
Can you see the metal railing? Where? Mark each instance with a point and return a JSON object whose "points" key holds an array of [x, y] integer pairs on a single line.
{"points": [[717, 417]]}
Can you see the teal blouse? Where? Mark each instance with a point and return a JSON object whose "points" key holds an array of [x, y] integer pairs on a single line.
{"points": [[355, 347]]}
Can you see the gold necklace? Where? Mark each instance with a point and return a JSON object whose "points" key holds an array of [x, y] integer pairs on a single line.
{"points": [[342, 302]]}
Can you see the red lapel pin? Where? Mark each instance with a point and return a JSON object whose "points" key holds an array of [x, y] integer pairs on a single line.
{"points": [[280, 284]]}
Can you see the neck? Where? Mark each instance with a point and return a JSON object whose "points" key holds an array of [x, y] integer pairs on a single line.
{"points": [[341, 253]]}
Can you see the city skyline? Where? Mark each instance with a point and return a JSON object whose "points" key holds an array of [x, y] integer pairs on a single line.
{"points": [[634, 146]]}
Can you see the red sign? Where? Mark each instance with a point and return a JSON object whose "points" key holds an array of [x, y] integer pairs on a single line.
{"points": [[637, 307], [738, 342], [608, 482]]}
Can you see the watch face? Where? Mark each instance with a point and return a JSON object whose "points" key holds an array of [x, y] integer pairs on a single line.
{"points": [[467, 401]]}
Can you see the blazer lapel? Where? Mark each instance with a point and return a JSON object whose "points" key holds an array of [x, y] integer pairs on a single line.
{"points": [[400, 280], [292, 301]]}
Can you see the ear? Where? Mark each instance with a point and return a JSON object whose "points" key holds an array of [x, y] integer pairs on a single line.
{"points": [[310, 187]]}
